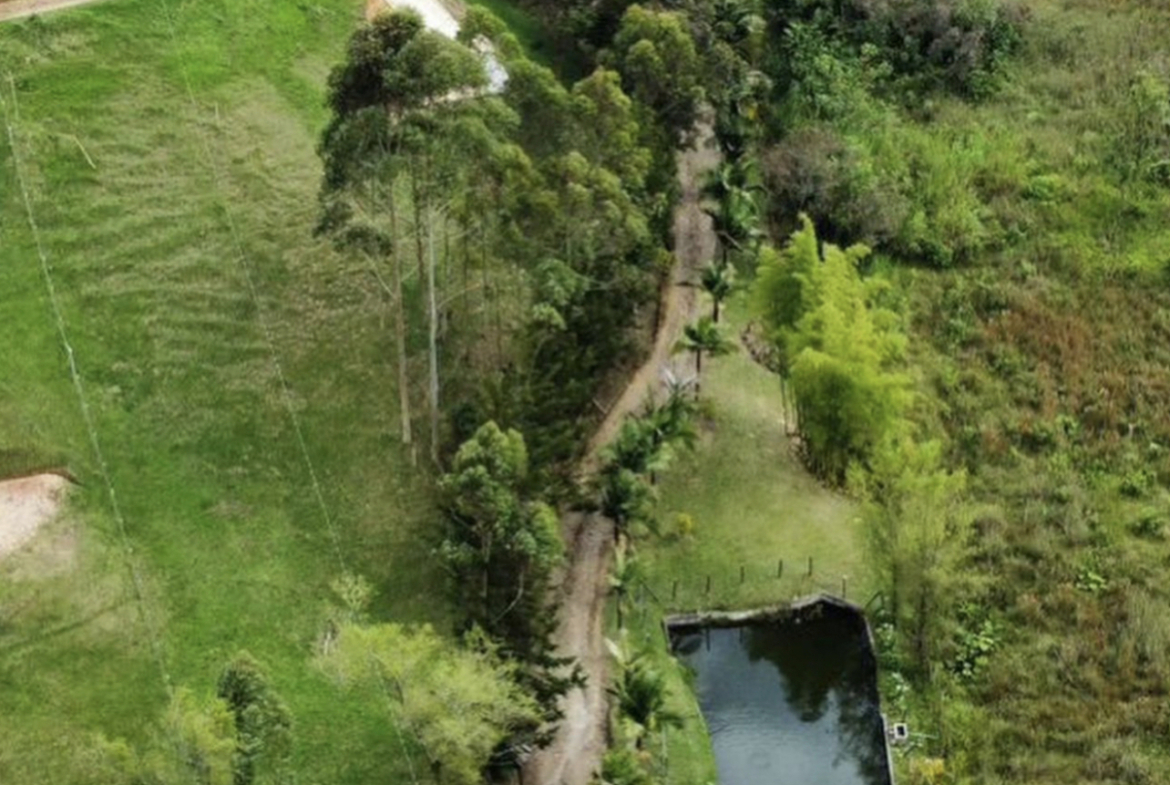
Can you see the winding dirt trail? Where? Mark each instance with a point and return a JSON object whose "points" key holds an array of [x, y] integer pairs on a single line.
{"points": [[576, 751]]}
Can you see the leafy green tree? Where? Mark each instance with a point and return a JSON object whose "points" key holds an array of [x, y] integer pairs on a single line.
{"points": [[917, 527], [716, 280], [703, 337], [844, 410], [393, 68], [655, 54], [785, 287], [194, 744], [608, 131], [501, 544], [546, 109], [623, 767], [405, 118], [1143, 119], [263, 722], [479, 23], [457, 705], [838, 350]]}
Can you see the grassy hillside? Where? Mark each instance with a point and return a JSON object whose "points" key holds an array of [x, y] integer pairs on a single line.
{"points": [[235, 368]]}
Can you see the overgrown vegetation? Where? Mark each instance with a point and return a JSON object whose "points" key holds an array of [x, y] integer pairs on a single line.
{"points": [[1012, 237], [1006, 164], [969, 326]]}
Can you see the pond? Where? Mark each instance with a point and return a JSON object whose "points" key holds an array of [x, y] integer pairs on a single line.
{"points": [[791, 702]]}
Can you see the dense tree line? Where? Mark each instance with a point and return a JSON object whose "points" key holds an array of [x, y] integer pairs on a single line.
{"points": [[538, 215], [542, 210]]}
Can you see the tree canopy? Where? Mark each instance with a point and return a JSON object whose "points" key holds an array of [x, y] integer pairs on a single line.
{"points": [[455, 705], [838, 347]]}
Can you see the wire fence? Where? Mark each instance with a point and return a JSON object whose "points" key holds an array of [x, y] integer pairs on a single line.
{"points": [[750, 584]]}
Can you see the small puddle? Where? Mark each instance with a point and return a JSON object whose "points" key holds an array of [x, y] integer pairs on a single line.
{"points": [[790, 702]]}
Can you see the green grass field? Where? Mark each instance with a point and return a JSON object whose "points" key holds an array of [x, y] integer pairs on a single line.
{"points": [[752, 502], [168, 151]]}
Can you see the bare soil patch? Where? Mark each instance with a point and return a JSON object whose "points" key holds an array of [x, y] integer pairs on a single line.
{"points": [[25, 505], [18, 9]]}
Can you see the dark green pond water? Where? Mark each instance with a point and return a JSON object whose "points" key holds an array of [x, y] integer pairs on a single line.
{"points": [[790, 703]]}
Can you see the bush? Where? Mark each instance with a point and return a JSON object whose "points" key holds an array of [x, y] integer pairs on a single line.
{"points": [[956, 45], [1151, 525], [890, 184], [815, 172]]}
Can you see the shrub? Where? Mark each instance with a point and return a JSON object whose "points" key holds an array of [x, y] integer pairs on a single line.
{"points": [[1151, 525], [815, 172], [957, 45], [1136, 483]]}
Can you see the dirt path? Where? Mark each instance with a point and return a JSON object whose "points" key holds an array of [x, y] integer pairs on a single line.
{"points": [[18, 9], [25, 504], [576, 751]]}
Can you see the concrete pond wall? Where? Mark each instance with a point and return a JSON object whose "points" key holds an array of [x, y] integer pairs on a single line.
{"points": [[789, 692]]}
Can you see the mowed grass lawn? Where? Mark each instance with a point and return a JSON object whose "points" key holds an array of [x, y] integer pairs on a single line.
{"points": [[752, 502], [168, 150]]}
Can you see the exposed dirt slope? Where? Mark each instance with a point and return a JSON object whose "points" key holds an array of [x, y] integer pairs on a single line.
{"points": [[25, 504], [576, 752]]}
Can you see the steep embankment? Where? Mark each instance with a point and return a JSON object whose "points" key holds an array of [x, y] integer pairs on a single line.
{"points": [[580, 742]]}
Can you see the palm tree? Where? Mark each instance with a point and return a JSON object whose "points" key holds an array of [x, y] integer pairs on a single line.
{"points": [[737, 121], [736, 22], [736, 215], [641, 696], [622, 576], [636, 447], [717, 281], [626, 500], [702, 337], [673, 421]]}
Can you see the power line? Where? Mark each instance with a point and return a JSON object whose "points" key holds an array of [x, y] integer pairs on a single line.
{"points": [[79, 389], [245, 267], [286, 390]]}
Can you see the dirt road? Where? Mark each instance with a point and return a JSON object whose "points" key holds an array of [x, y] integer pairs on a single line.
{"points": [[18, 9], [576, 751]]}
